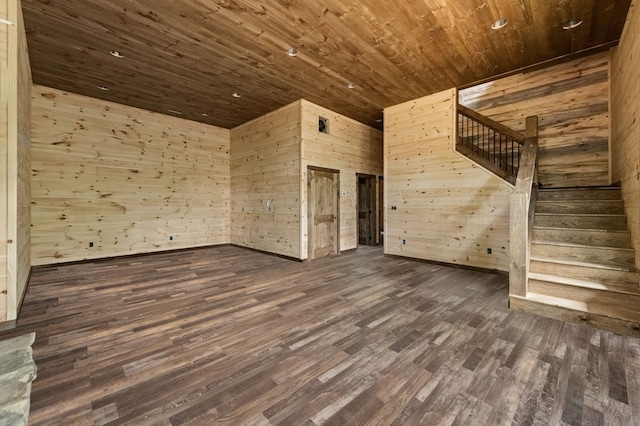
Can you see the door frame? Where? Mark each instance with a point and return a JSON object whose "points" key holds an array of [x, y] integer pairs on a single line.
{"points": [[373, 204], [310, 224]]}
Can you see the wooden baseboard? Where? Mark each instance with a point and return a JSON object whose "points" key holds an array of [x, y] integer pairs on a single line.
{"points": [[603, 322], [451, 265], [124, 256], [8, 325], [268, 252]]}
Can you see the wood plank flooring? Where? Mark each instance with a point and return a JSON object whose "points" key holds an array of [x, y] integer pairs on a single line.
{"points": [[229, 336]]}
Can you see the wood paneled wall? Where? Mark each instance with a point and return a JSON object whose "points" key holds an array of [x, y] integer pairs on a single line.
{"points": [[349, 147], [127, 180], [625, 120], [571, 101], [15, 221], [438, 202], [265, 182]]}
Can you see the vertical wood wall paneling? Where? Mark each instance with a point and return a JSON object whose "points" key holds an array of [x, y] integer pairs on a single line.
{"points": [[444, 207], [265, 182], [625, 120], [124, 179], [5, 96], [23, 160], [15, 220], [350, 147], [571, 101]]}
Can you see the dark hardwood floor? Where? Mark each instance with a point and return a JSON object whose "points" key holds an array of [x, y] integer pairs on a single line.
{"points": [[230, 336]]}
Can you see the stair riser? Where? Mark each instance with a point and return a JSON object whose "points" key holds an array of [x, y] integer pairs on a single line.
{"points": [[618, 257], [619, 305], [588, 222], [593, 194], [604, 276], [580, 207], [582, 236]]}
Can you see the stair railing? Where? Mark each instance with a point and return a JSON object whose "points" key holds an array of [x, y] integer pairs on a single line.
{"points": [[521, 212], [493, 145]]}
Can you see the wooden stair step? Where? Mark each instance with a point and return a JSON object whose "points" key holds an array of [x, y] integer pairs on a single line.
{"points": [[602, 237], [627, 322], [546, 284], [589, 193], [581, 206], [595, 254], [587, 306], [581, 221], [588, 271]]}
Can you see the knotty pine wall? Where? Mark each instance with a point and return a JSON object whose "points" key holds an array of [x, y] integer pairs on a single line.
{"points": [[625, 120], [571, 101], [123, 178], [15, 97], [265, 182], [447, 208], [350, 147]]}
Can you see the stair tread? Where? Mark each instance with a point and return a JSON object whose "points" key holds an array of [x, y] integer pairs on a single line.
{"points": [[576, 245], [581, 188], [581, 214], [593, 285], [579, 306], [590, 230], [585, 264]]}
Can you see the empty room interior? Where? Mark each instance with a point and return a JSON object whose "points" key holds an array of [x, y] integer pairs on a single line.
{"points": [[320, 212]]}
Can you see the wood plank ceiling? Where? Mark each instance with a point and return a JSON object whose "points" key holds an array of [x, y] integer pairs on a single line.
{"points": [[193, 55]]}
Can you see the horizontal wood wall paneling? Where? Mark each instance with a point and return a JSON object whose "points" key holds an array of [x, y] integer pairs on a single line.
{"points": [[446, 209], [265, 182], [571, 102], [350, 147], [125, 179], [625, 123]]}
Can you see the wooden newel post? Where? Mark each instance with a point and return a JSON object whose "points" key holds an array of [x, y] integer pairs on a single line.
{"points": [[521, 211]]}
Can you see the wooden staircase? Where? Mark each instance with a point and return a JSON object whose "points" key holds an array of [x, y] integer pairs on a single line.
{"points": [[582, 264]]}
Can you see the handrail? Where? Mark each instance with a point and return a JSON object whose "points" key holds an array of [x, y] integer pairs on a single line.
{"points": [[493, 145], [507, 131], [521, 211]]}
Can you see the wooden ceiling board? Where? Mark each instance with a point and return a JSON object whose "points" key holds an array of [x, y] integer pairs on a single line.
{"points": [[192, 55]]}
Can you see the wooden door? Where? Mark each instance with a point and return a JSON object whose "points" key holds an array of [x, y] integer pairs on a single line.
{"points": [[366, 210], [323, 213]]}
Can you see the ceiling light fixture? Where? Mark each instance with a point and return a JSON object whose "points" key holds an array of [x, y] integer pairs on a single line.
{"points": [[499, 24], [351, 85], [292, 52], [116, 54], [174, 111], [572, 24], [103, 88], [236, 95], [204, 114]]}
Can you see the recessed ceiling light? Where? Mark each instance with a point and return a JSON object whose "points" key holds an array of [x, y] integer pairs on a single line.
{"points": [[572, 24], [204, 114], [351, 85], [174, 111], [104, 88], [499, 24], [117, 54], [292, 52], [236, 95]]}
